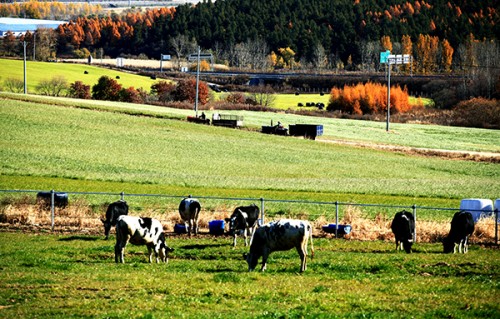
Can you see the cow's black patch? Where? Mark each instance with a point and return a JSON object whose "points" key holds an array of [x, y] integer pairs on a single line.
{"points": [[146, 222]]}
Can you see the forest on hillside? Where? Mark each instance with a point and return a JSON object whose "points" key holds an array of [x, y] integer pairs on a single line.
{"points": [[458, 38], [317, 32]]}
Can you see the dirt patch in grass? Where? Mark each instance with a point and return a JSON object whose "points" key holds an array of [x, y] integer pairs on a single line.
{"points": [[489, 157]]}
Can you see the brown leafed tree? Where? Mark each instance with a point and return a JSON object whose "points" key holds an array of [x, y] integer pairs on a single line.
{"points": [[447, 55]]}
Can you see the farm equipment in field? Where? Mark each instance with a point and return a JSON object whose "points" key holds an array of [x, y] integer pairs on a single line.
{"points": [[200, 120], [228, 120], [275, 129], [309, 131]]}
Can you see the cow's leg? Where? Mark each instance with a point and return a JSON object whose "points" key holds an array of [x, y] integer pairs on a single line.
{"points": [[234, 240], [466, 247], [190, 227], [245, 235], [303, 255], [264, 260], [150, 252], [195, 226], [119, 252]]}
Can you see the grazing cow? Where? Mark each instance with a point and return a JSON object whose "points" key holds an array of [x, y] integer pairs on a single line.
{"points": [[189, 209], [243, 222], [403, 227], [282, 235], [141, 231], [462, 226], [114, 211], [45, 198]]}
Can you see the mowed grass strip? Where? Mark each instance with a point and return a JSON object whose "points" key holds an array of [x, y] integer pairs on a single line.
{"points": [[65, 276], [45, 71], [76, 144]]}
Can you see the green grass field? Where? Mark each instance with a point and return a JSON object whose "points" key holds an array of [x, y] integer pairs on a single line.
{"points": [[74, 276], [39, 71], [94, 146], [48, 146]]}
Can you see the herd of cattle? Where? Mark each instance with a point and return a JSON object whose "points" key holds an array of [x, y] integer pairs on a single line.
{"points": [[281, 235]]}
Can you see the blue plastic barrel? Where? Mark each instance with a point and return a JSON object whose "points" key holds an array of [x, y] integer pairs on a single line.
{"points": [[180, 229], [216, 227]]}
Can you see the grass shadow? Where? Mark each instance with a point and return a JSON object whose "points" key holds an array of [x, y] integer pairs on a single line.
{"points": [[82, 238], [203, 246]]}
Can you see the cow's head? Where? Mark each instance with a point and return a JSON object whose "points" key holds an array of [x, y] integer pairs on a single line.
{"points": [[448, 245], [107, 227], [407, 245], [233, 225], [237, 222], [252, 260]]}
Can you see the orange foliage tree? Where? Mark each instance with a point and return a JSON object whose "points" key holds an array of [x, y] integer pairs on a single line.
{"points": [[386, 43], [447, 55], [369, 98]]}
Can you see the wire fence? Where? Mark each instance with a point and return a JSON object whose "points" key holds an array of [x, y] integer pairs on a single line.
{"points": [[367, 221]]}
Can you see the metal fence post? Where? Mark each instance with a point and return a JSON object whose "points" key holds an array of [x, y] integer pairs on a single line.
{"points": [[496, 226], [336, 218], [52, 193], [262, 211], [122, 196], [414, 207]]}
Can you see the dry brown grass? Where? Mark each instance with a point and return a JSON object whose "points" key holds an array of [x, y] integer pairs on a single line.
{"points": [[80, 217]]}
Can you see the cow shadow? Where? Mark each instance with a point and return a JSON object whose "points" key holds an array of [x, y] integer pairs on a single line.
{"points": [[82, 238], [203, 246]]}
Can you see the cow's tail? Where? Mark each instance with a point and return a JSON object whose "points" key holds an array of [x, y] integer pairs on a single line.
{"points": [[311, 239]]}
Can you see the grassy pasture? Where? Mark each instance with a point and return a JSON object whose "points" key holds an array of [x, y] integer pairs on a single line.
{"points": [[53, 147], [39, 71], [74, 276]]}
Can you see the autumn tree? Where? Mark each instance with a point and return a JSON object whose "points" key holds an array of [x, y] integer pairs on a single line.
{"points": [[130, 95], [447, 55], [369, 98], [406, 48], [162, 90], [186, 91], [106, 89], [79, 90], [386, 43]]}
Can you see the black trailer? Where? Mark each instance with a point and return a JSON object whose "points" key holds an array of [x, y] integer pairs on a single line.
{"points": [[309, 131]]}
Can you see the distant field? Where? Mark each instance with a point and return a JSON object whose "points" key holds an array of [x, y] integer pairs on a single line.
{"points": [[54, 146], [38, 71]]}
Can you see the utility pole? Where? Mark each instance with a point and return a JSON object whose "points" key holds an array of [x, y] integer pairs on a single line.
{"points": [[388, 96], [197, 83], [24, 65], [34, 44]]}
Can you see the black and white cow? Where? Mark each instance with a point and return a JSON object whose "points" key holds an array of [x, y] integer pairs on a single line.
{"points": [[462, 226], [141, 231], [243, 222], [114, 211], [403, 227], [281, 235], [189, 209]]}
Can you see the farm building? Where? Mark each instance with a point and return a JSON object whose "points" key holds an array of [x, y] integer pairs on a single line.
{"points": [[19, 26]]}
